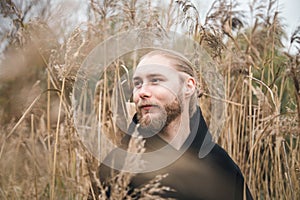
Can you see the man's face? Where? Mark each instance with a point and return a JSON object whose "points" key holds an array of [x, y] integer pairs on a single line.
{"points": [[157, 93]]}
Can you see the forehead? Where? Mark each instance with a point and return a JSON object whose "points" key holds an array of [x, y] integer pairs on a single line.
{"points": [[155, 64]]}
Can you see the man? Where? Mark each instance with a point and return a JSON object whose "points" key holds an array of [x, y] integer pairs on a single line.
{"points": [[177, 140]]}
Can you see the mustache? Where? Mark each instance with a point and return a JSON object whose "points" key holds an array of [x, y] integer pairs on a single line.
{"points": [[147, 103]]}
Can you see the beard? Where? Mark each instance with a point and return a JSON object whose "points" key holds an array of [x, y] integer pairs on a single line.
{"points": [[153, 123]]}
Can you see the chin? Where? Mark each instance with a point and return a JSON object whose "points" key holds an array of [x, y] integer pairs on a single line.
{"points": [[154, 120]]}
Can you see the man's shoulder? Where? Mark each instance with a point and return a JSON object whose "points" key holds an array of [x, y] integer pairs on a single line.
{"points": [[219, 157]]}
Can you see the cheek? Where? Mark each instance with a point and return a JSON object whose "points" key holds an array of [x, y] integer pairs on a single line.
{"points": [[135, 97], [168, 92]]}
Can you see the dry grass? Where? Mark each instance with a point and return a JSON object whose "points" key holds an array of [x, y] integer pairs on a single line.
{"points": [[41, 154]]}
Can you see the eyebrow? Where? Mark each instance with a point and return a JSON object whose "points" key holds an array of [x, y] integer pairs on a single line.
{"points": [[149, 76]]}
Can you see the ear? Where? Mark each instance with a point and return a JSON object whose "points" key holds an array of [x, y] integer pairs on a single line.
{"points": [[190, 86]]}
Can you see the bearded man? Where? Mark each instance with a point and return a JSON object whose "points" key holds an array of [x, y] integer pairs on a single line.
{"points": [[177, 140]]}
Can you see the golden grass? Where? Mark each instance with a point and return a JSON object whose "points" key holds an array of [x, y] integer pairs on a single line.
{"points": [[42, 155]]}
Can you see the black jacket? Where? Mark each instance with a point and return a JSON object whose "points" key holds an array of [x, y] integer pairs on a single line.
{"points": [[201, 169]]}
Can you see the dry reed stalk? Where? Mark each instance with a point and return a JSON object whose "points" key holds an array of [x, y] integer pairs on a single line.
{"points": [[48, 116], [52, 188]]}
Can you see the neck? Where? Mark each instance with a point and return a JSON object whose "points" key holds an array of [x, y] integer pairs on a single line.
{"points": [[177, 131]]}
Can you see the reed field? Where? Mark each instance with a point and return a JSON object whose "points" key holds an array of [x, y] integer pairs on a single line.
{"points": [[44, 43]]}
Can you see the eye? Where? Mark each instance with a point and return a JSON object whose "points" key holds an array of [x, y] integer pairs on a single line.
{"points": [[137, 83], [155, 80]]}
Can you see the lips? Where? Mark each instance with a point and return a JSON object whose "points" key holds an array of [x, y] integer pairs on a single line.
{"points": [[147, 107]]}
